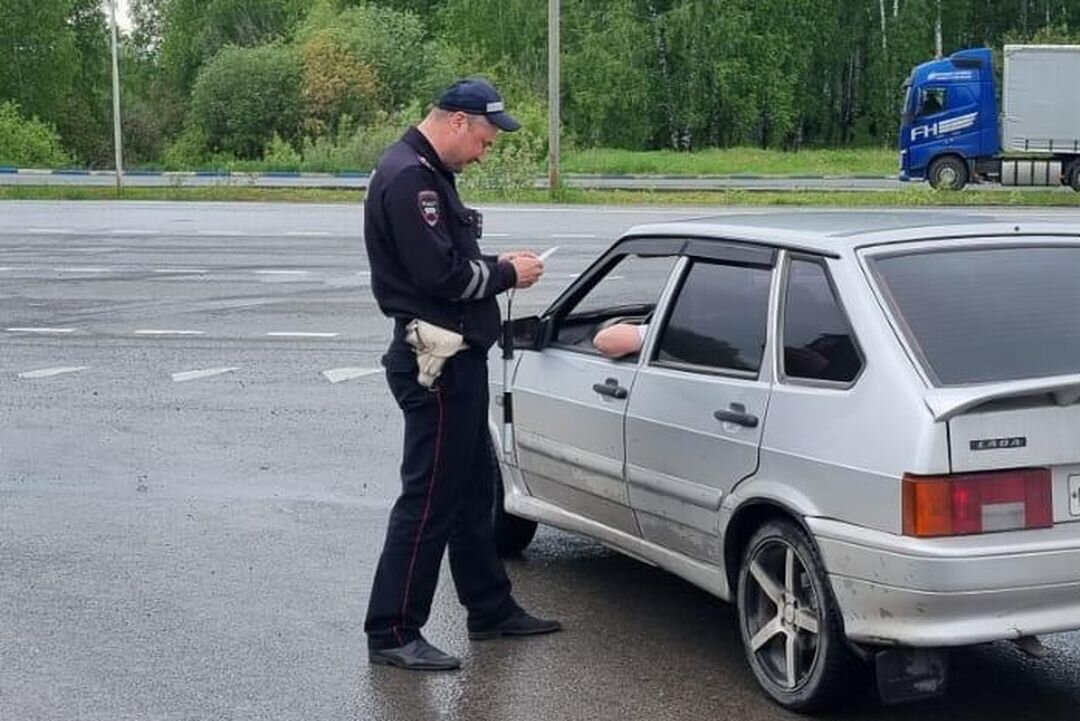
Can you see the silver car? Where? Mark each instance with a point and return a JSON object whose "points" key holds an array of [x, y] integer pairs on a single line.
{"points": [[863, 429]]}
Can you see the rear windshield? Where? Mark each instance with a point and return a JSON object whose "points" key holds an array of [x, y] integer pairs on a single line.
{"points": [[988, 314]]}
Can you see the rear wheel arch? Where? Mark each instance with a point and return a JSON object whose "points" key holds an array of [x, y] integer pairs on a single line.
{"points": [[749, 517]]}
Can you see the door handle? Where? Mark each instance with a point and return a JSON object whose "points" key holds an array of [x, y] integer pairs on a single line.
{"points": [[736, 413], [610, 388]]}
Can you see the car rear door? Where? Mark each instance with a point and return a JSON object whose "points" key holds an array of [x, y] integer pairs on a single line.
{"points": [[696, 415]]}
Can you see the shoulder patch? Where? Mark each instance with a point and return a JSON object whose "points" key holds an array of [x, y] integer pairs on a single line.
{"points": [[428, 201]]}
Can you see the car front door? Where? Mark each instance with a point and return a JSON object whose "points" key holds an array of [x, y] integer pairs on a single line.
{"points": [[694, 421], [570, 401]]}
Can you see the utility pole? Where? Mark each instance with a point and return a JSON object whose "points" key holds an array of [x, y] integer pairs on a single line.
{"points": [[937, 33], [553, 97], [117, 137]]}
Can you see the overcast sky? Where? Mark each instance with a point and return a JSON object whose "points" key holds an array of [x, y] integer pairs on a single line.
{"points": [[122, 18]]}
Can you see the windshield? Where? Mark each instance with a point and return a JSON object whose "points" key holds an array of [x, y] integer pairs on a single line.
{"points": [[905, 109], [987, 314]]}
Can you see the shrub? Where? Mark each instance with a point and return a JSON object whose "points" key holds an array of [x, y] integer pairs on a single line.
{"points": [[517, 159], [280, 155], [28, 143], [336, 83], [389, 42], [355, 148], [246, 95], [187, 152]]}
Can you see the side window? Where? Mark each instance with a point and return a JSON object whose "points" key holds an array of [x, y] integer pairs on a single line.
{"points": [[628, 292], [817, 338], [931, 100], [719, 320]]}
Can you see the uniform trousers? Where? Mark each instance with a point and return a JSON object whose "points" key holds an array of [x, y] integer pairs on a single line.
{"points": [[447, 492]]}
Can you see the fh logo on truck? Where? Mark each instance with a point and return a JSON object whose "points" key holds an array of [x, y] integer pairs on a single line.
{"points": [[943, 127]]}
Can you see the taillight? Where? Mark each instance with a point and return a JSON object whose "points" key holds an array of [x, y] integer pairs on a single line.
{"points": [[966, 503]]}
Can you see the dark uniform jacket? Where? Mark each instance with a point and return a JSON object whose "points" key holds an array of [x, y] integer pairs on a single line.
{"points": [[422, 245]]}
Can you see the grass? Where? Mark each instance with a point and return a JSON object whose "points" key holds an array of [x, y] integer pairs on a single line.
{"points": [[612, 161], [920, 196], [733, 161], [199, 193]]}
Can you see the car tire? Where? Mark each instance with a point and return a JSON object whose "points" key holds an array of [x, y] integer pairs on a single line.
{"points": [[790, 626], [948, 173], [513, 534], [1072, 175]]}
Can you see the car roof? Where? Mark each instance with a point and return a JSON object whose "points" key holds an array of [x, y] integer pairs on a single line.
{"points": [[832, 232]]}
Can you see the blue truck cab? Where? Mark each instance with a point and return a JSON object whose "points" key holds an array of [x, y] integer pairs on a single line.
{"points": [[949, 121]]}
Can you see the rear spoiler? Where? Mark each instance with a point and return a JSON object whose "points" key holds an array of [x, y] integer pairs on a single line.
{"points": [[945, 403]]}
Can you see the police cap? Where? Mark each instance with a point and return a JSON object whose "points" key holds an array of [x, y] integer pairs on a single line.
{"points": [[478, 97]]}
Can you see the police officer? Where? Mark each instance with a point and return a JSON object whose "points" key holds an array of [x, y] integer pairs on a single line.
{"points": [[426, 265]]}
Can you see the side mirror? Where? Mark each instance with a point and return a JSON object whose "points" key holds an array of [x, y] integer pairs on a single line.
{"points": [[529, 333]]}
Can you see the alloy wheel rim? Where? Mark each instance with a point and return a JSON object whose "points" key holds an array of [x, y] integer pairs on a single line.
{"points": [[782, 615]]}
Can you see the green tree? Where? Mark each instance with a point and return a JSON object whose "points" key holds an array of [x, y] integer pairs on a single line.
{"points": [[336, 84], [194, 30], [38, 57], [490, 32], [243, 96], [85, 120], [610, 90], [393, 44], [54, 62]]}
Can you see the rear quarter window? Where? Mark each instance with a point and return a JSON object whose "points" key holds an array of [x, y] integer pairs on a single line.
{"points": [[818, 342]]}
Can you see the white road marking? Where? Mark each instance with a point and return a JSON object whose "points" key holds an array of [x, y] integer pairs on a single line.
{"points": [[49, 372], [51, 231], [573, 235], [298, 334], [219, 233], [337, 375], [133, 231], [4, 269], [196, 271], [496, 235], [40, 330], [308, 233], [196, 375], [685, 212], [83, 269], [283, 272], [169, 332]]}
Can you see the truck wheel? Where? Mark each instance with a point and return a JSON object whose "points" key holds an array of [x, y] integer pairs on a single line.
{"points": [[790, 626], [1072, 175], [948, 173], [512, 533]]}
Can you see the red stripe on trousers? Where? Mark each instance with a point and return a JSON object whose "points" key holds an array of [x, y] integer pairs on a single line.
{"points": [[424, 517]]}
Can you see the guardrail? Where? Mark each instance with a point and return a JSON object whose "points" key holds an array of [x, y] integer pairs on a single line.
{"points": [[358, 180]]}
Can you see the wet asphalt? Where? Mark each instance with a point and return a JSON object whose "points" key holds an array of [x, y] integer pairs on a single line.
{"points": [[201, 547]]}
